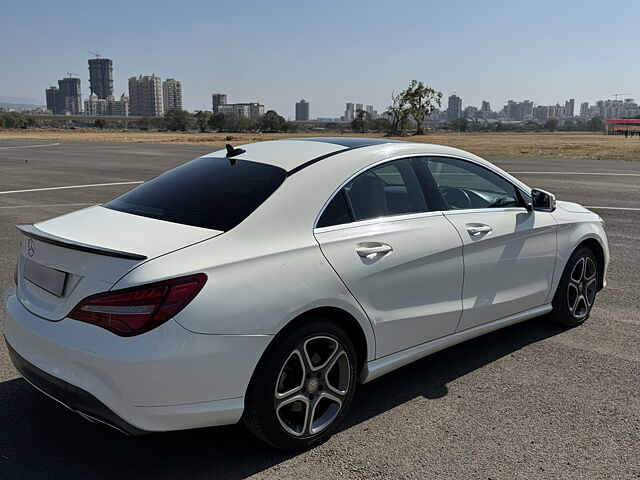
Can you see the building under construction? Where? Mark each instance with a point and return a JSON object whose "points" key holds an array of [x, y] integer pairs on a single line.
{"points": [[101, 77]]}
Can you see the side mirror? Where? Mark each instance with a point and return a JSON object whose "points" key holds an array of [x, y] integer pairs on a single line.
{"points": [[543, 201]]}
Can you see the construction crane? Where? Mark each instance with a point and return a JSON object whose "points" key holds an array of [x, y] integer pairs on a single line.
{"points": [[616, 95], [71, 74], [94, 53]]}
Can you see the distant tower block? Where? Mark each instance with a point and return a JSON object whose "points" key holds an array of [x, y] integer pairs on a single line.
{"points": [[101, 77], [302, 111]]}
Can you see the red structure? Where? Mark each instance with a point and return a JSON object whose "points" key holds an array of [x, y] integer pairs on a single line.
{"points": [[619, 127]]}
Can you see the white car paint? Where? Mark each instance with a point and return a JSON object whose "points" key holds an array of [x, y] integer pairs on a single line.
{"points": [[509, 269], [436, 287]]}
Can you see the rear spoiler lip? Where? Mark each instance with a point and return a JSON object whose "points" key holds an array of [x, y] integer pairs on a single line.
{"points": [[32, 231]]}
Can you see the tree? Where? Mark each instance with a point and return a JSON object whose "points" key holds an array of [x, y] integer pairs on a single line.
{"points": [[216, 121], [272, 122], [361, 122], [291, 127], [421, 100], [551, 124], [460, 124], [595, 124], [202, 120], [177, 119], [15, 120], [399, 113], [379, 124]]}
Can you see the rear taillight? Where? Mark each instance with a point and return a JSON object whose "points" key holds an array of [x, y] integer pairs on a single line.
{"points": [[135, 310]]}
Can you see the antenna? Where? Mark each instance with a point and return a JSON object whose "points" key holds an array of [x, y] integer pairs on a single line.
{"points": [[94, 53]]}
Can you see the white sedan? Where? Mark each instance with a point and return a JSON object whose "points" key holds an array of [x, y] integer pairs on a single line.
{"points": [[264, 282]]}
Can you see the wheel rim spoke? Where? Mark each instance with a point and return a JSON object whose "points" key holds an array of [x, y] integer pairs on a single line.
{"points": [[578, 271], [316, 356], [293, 414], [324, 410], [590, 291], [288, 383], [334, 376]]}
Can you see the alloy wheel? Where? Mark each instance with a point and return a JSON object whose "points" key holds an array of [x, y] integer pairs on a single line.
{"points": [[312, 386], [581, 291]]}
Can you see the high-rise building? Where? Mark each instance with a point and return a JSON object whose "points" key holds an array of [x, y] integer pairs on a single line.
{"points": [[70, 96], [349, 112], [358, 106], [53, 100], [302, 111], [584, 110], [171, 94], [454, 109], [486, 107], [569, 107], [145, 96], [369, 110], [101, 77], [218, 99]]}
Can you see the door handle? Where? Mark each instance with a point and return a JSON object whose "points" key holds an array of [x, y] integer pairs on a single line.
{"points": [[476, 230], [370, 250]]}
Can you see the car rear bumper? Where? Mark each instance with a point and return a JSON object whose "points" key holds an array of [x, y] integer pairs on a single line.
{"points": [[166, 379], [70, 396]]}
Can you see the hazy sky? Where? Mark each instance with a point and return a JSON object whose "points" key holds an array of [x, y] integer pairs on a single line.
{"points": [[330, 52]]}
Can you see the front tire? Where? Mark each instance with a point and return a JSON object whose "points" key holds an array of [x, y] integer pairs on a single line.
{"points": [[577, 289], [303, 387]]}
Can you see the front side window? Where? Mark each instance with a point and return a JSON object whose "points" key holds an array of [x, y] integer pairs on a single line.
{"points": [[465, 185], [208, 192]]}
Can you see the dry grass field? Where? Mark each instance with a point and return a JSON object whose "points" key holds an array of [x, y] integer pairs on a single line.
{"points": [[553, 145]]}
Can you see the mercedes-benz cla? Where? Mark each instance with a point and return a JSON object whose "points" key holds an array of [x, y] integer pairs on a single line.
{"points": [[265, 282]]}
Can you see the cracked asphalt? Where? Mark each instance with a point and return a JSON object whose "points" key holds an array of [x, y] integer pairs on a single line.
{"points": [[529, 401]]}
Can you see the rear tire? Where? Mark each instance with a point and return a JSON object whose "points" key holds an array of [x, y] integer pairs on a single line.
{"points": [[577, 289], [303, 387]]}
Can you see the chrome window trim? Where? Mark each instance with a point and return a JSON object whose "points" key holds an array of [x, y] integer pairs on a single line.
{"points": [[484, 210], [415, 155], [377, 221]]}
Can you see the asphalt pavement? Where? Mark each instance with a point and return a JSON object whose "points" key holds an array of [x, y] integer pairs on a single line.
{"points": [[529, 401]]}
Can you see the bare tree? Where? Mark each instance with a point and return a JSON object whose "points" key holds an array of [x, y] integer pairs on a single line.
{"points": [[399, 113]]}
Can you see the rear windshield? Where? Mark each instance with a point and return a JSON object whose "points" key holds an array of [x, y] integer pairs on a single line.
{"points": [[206, 192]]}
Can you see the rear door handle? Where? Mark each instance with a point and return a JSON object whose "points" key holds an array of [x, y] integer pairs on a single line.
{"points": [[479, 229], [370, 250]]}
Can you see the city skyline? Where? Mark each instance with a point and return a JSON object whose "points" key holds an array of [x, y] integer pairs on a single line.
{"points": [[479, 51]]}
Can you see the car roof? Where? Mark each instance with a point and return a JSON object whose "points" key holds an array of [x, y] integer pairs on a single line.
{"points": [[296, 154], [293, 154]]}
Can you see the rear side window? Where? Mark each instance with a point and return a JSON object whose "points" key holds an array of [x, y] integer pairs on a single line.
{"points": [[206, 192], [386, 190], [336, 212]]}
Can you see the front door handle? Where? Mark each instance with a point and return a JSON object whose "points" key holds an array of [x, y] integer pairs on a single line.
{"points": [[371, 249], [478, 229]]}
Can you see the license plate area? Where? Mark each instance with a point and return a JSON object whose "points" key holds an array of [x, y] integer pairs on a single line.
{"points": [[47, 278]]}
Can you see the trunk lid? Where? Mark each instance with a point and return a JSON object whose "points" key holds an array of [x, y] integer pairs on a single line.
{"points": [[68, 258]]}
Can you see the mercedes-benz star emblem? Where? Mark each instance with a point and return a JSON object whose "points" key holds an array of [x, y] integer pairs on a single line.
{"points": [[31, 247]]}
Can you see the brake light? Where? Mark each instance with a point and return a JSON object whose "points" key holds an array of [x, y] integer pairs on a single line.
{"points": [[136, 310]]}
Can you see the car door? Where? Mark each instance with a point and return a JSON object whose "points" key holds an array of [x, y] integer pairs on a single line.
{"points": [[509, 250], [396, 253]]}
